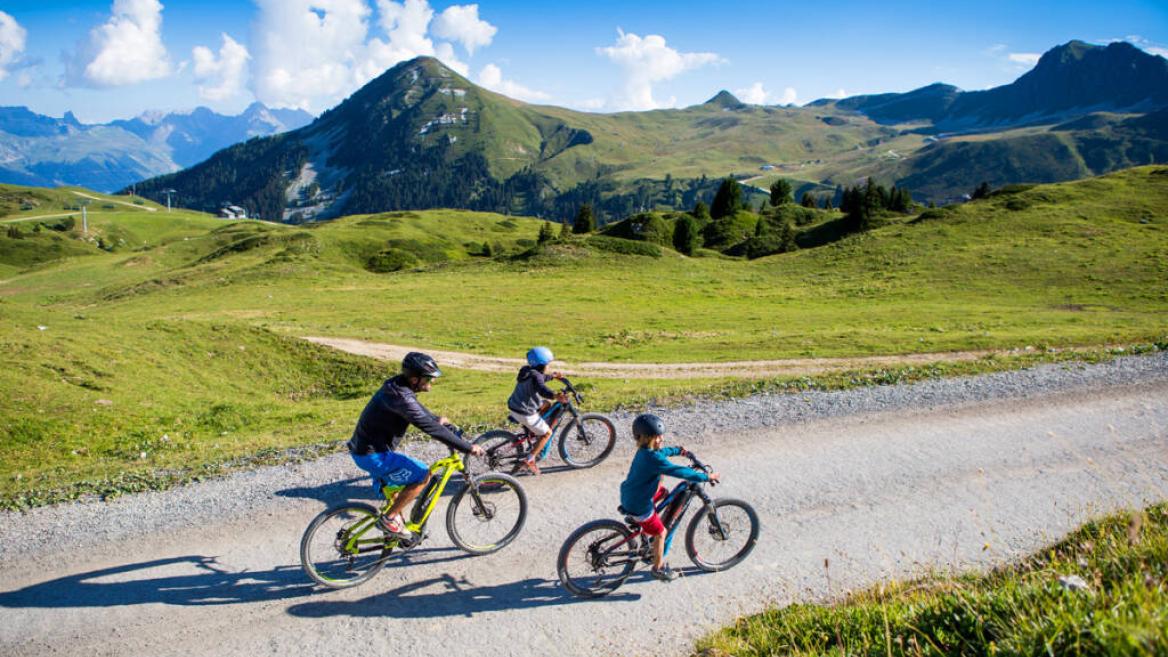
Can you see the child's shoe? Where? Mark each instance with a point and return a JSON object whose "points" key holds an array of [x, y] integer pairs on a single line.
{"points": [[665, 574]]}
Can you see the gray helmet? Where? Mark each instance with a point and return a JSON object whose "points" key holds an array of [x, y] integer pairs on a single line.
{"points": [[648, 424], [418, 364]]}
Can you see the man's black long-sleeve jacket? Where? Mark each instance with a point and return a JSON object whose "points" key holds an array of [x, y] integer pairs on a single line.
{"points": [[388, 415]]}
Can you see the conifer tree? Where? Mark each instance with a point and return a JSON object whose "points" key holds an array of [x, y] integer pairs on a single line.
{"points": [[808, 201], [780, 192], [585, 222], [728, 200], [686, 237], [545, 233], [701, 211]]}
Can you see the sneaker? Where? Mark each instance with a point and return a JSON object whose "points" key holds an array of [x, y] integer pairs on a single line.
{"points": [[395, 527], [666, 574]]}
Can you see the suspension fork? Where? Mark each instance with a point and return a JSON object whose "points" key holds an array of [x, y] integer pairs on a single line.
{"points": [[711, 512]]}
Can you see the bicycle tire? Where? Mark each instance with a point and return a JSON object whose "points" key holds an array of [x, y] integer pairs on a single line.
{"points": [[590, 430], [482, 501], [502, 451], [737, 526], [324, 559], [590, 580]]}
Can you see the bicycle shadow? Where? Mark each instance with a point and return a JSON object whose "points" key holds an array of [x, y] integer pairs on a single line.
{"points": [[163, 581], [169, 581], [455, 596]]}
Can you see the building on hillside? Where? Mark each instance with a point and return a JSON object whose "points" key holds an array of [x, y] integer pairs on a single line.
{"points": [[233, 212], [767, 167]]}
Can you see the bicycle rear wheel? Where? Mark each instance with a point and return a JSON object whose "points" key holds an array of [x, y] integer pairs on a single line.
{"points": [[503, 451], [487, 514], [721, 535], [343, 546], [597, 558], [587, 440]]}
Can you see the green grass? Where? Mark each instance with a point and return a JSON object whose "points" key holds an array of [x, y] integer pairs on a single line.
{"points": [[1016, 610], [183, 314]]}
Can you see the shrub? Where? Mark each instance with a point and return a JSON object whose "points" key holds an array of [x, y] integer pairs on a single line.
{"points": [[15, 233], [624, 247], [390, 260]]}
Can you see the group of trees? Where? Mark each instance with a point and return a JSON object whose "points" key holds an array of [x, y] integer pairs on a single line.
{"points": [[862, 204]]}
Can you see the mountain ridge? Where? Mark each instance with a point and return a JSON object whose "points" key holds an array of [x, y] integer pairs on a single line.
{"points": [[46, 151], [422, 136]]}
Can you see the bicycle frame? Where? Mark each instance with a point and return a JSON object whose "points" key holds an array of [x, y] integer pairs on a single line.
{"points": [[448, 466], [682, 495], [554, 417]]}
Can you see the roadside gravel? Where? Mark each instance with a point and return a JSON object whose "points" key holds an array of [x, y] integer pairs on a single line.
{"points": [[42, 533]]}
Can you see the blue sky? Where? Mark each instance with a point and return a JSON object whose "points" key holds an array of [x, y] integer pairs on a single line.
{"points": [[106, 59]]}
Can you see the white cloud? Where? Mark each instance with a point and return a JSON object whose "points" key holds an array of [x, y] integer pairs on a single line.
{"points": [[789, 96], [221, 77], [313, 53], [839, 93], [491, 77], [1153, 50], [461, 23], [646, 61], [1025, 58], [12, 39], [754, 94], [127, 48]]}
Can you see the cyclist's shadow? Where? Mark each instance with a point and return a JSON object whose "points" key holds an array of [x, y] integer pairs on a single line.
{"points": [[447, 595], [189, 580]]}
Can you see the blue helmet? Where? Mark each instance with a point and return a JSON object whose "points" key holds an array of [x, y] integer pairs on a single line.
{"points": [[539, 356]]}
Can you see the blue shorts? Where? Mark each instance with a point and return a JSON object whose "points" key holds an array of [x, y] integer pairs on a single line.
{"points": [[391, 469]]}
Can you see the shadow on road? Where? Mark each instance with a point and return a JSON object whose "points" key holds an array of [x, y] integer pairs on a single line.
{"points": [[165, 581], [447, 595]]}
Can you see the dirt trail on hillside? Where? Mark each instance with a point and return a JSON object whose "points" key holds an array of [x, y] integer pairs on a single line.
{"points": [[745, 368]]}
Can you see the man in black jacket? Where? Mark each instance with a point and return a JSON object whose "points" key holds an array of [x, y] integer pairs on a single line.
{"points": [[383, 424]]}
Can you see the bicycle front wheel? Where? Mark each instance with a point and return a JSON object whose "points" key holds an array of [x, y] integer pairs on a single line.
{"points": [[587, 440], [722, 534], [487, 514], [597, 558], [343, 546]]}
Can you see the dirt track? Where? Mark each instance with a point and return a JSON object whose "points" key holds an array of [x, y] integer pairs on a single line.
{"points": [[748, 368], [873, 496]]}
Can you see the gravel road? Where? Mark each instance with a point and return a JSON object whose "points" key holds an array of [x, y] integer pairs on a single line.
{"points": [[880, 482]]}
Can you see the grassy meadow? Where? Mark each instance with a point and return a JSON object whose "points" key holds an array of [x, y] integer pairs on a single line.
{"points": [[162, 346], [1016, 610]]}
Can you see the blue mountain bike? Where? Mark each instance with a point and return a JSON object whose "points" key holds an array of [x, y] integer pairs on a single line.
{"points": [[584, 439]]}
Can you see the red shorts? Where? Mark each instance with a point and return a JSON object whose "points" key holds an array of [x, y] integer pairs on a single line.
{"points": [[652, 526]]}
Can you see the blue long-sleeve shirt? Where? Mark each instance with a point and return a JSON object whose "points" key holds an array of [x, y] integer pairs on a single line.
{"points": [[645, 475]]}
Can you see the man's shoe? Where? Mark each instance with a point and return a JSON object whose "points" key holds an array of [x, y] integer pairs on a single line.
{"points": [[395, 527], [666, 574]]}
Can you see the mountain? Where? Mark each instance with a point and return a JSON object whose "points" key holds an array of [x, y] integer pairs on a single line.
{"points": [[1075, 77], [421, 136], [193, 137], [45, 151]]}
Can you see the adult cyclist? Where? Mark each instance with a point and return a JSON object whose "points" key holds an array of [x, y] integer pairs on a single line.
{"points": [[383, 423]]}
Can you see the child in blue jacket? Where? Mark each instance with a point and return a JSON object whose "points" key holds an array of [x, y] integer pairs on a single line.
{"points": [[642, 488]]}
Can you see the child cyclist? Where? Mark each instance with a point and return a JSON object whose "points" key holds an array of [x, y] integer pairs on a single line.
{"points": [[642, 488], [526, 401]]}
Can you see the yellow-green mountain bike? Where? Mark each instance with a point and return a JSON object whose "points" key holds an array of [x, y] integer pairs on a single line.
{"points": [[344, 546]]}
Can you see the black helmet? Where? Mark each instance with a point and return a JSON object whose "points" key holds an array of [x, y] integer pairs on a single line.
{"points": [[418, 364], [647, 424]]}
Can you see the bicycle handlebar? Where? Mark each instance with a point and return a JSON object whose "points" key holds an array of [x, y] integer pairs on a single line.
{"points": [[701, 466], [568, 387]]}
